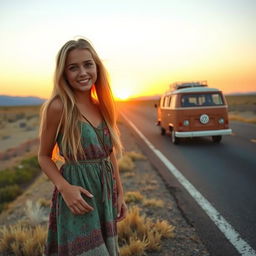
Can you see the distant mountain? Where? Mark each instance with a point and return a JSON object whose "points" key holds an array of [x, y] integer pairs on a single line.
{"points": [[6, 100]]}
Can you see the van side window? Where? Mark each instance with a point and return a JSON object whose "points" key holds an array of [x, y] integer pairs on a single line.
{"points": [[170, 100], [173, 101], [163, 102], [166, 103]]}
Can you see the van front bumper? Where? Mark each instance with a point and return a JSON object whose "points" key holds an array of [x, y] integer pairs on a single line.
{"points": [[203, 133]]}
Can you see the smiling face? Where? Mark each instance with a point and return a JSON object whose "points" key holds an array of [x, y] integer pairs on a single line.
{"points": [[80, 70]]}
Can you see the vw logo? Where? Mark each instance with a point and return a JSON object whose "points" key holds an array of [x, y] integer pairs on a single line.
{"points": [[204, 119]]}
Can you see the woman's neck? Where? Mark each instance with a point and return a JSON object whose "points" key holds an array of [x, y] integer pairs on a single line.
{"points": [[83, 97]]}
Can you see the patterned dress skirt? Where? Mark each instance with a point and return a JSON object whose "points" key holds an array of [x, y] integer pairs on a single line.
{"points": [[94, 233]]}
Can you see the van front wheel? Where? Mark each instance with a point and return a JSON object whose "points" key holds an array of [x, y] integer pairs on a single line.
{"points": [[174, 139], [216, 139], [162, 131]]}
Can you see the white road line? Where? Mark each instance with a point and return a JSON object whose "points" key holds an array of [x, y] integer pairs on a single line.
{"points": [[233, 236]]}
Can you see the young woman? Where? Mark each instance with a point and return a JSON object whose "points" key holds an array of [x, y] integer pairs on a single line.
{"points": [[80, 121]]}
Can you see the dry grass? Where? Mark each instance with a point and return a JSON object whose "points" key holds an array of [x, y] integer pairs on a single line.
{"points": [[129, 174], [133, 196], [138, 233], [241, 99], [136, 196], [148, 179], [163, 227], [135, 155], [153, 202], [126, 164], [22, 240], [149, 188], [43, 202], [135, 247], [241, 119], [35, 213], [3, 134], [19, 111], [154, 240]]}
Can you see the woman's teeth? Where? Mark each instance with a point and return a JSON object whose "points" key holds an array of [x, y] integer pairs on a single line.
{"points": [[84, 81]]}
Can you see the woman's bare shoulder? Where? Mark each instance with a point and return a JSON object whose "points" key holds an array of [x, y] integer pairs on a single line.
{"points": [[56, 104], [55, 109]]}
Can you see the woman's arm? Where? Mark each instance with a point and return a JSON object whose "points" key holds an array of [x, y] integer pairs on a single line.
{"points": [[71, 194], [122, 208], [47, 143]]}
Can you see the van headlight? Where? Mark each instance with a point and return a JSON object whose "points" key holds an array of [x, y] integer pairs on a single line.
{"points": [[221, 121], [186, 123]]}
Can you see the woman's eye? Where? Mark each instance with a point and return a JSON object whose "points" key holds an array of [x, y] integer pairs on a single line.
{"points": [[88, 65], [73, 68]]}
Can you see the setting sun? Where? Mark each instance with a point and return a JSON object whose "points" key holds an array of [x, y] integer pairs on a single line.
{"points": [[122, 94]]}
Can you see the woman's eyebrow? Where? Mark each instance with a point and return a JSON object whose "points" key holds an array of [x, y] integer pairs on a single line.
{"points": [[85, 61]]}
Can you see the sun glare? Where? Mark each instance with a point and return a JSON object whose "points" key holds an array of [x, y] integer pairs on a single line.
{"points": [[122, 94]]}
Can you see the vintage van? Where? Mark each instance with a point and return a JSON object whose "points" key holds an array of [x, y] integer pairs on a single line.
{"points": [[192, 109]]}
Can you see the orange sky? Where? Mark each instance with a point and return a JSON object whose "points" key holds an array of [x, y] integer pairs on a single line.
{"points": [[144, 45]]}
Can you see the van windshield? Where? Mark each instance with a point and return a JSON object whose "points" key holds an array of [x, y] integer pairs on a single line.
{"points": [[198, 100]]}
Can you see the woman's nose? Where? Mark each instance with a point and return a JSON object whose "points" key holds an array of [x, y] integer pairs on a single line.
{"points": [[82, 71]]}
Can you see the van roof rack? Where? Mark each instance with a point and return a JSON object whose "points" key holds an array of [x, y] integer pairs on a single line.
{"points": [[182, 85]]}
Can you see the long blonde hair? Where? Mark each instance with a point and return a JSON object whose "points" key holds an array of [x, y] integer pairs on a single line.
{"points": [[100, 93]]}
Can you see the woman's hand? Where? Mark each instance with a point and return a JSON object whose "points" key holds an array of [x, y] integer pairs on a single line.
{"points": [[73, 199], [121, 207]]}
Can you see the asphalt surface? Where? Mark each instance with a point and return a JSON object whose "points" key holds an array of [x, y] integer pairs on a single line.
{"points": [[225, 174]]}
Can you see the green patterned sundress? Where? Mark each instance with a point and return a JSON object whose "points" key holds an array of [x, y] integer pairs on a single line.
{"points": [[93, 233]]}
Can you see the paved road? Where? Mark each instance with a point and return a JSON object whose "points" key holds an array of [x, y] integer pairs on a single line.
{"points": [[225, 173]]}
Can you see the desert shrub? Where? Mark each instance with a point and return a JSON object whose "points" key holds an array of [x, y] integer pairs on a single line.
{"points": [[133, 196], [24, 175], [3, 206], [9, 193], [153, 202], [138, 233], [20, 116], [135, 155], [135, 247], [12, 179], [31, 162], [126, 164], [21, 174], [7, 177]]}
